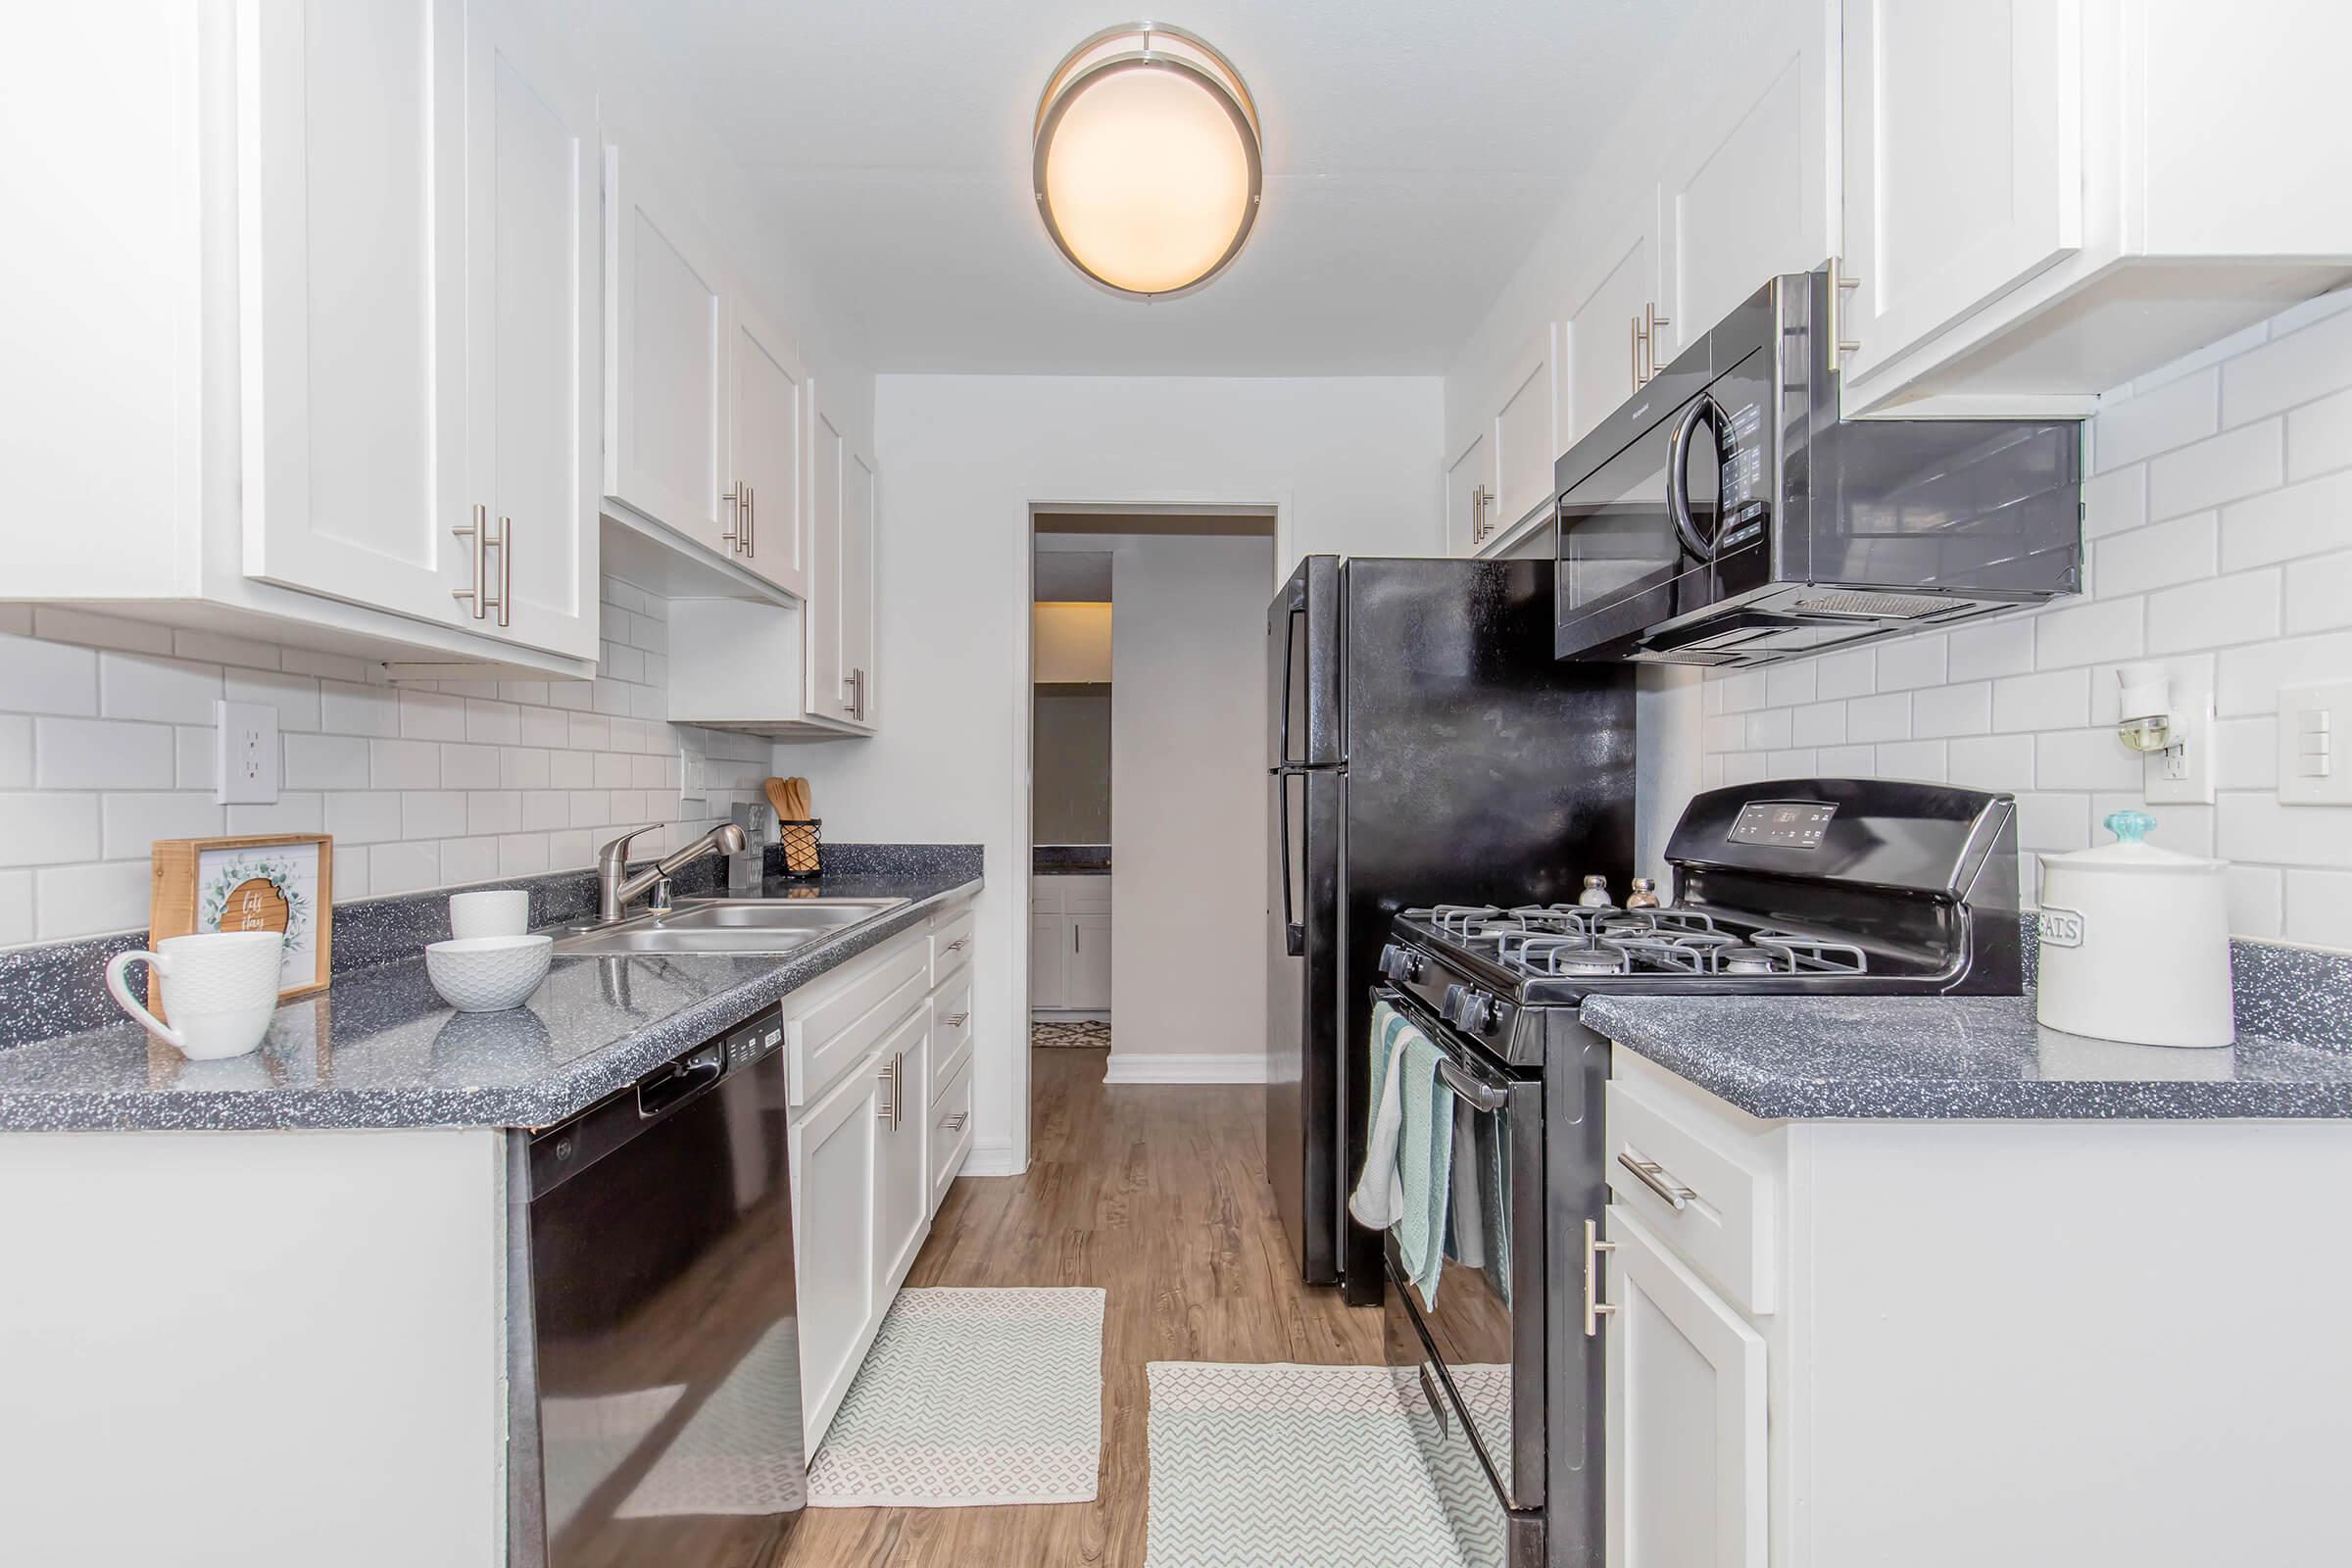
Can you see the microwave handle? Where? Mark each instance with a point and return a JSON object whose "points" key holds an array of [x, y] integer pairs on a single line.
{"points": [[1678, 473]]}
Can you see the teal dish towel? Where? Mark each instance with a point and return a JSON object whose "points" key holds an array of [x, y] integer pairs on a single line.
{"points": [[1424, 1163]]}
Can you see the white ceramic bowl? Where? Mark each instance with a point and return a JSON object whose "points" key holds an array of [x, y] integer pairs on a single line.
{"points": [[499, 912], [489, 974]]}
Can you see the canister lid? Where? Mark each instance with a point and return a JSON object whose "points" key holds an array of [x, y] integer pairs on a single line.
{"points": [[2131, 852]]}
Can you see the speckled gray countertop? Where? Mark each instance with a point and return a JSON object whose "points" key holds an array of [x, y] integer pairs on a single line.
{"points": [[379, 1048], [1818, 1057]]}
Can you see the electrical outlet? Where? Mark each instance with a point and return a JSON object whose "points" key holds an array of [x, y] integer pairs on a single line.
{"points": [[245, 754], [2182, 775]]}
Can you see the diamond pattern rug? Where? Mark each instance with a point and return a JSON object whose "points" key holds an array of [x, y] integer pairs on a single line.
{"points": [[971, 1398], [1087, 1034], [1309, 1467]]}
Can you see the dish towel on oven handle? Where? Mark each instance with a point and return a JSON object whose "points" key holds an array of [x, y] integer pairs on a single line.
{"points": [[1405, 1182]]}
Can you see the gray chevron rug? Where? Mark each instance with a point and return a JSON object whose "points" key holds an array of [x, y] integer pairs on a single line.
{"points": [[971, 1398], [1307, 1467]]}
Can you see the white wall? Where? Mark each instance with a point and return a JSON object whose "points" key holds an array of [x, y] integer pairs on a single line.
{"points": [[2219, 530], [1352, 464], [1188, 859], [106, 745]]}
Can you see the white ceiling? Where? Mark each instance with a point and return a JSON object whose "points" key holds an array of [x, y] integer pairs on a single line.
{"points": [[1413, 152]]}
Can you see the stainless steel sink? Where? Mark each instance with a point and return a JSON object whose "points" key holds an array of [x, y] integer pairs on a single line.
{"points": [[728, 926]]}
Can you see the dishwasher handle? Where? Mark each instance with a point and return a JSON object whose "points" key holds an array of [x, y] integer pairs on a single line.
{"points": [[676, 1081]]}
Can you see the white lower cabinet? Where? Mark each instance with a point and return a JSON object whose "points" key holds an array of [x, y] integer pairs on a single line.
{"points": [[1069, 944], [1849, 1344], [874, 1146], [1685, 1447]]}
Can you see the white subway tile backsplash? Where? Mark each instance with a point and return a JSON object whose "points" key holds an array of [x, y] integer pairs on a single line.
{"points": [[106, 745], [2155, 557], [1743, 690], [2301, 519], [1727, 732], [2318, 437], [2250, 677], [1742, 768], [2245, 753], [1769, 730], [1940, 710], [345, 708], [1847, 761], [2254, 826], [2051, 822], [1879, 718], [1906, 663], [2257, 901], [16, 752], [2173, 415], [39, 677], [2319, 909], [2218, 612], [103, 753], [2292, 367], [2238, 463], [1915, 760], [2319, 594], [2114, 503], [2085, 759], [1819, 724], [1993, 761], [2058, 699], [1786, 685], [82, 901], [172, 690], [1801, 762], [2000, 646], [47, 827], [2089, 631]]}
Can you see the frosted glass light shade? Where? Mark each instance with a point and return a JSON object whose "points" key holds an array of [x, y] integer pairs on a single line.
{"points": [[1148, 170]]}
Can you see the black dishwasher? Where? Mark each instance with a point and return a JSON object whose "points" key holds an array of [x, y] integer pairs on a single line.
{"points": [[657, 1407]]}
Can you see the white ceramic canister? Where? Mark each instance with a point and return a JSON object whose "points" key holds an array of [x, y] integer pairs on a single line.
{"points": [[2134, 943]]}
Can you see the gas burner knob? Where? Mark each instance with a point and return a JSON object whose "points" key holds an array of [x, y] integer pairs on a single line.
{"points": [[1450, 1010], [1485, 1013], [1400, 962]]}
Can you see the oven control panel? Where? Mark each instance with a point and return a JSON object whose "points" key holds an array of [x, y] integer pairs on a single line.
{"points": [[1783, 824]]}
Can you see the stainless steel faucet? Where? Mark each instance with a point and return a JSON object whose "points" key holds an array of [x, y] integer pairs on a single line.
{"points": [[614, 886]]}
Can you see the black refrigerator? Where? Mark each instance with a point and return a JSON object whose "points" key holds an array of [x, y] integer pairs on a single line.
{"points": [[1424, 747]]}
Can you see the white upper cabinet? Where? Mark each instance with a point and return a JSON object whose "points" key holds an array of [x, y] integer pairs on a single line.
{"points": [[1963, 159], [666, 376], [859, 521], [532, 356], [419, 337], [1610, 317], [1527, 429], [1748, 193], [353, 162], [1470, 495], [828, 677], [768, 407]]}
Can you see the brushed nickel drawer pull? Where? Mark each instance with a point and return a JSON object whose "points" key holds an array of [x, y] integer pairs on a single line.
{"points": [[957, 1020], [1594, 1307], [957, 945], [954, 1120], [1655, 1176]]}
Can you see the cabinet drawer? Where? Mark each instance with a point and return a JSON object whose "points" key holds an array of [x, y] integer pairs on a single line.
{"points": [[1726, 1181], [951, 1033], [1045, 895], [1086, 895], [951, 943], [835, 1023], [950, 1129]]}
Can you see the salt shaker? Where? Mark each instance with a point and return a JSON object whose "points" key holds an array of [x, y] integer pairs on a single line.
{"points": [[1596, 895]]}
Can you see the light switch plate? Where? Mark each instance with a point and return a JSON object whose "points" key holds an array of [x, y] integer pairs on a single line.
{"points": [[2315, 745], [245, 754]]}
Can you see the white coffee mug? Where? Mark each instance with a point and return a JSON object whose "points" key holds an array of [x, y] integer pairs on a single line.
{"points": [[220, 988], [505, 912]]}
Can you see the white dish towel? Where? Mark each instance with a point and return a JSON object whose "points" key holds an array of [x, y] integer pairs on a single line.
{"points": [[1378, 1200]]}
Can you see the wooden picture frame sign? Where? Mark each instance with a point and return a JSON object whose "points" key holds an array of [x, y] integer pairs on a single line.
{"points": [[282, 882]]}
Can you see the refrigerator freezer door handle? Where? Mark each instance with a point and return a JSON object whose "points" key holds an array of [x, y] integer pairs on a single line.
{"points": [[1294, 934], [1282, 745]]}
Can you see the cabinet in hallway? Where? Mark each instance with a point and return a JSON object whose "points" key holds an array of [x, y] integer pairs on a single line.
{"points": [[1069, 944]]}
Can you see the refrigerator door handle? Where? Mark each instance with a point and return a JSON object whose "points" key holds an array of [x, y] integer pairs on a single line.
{"points": [[1294, 934], [1290, 641]]}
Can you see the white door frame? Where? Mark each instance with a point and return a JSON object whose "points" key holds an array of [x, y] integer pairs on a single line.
{"points": [[1024, 823]]}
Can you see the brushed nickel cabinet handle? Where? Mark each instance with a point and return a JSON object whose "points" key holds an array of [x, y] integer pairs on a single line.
{"points": [[954, 1120], [1594, 1307], [956, 945], [887, 1112], [506, 570], [957, 1020], [1650, 335], [1657, 1178], [737, 501], [751, 522], [478, 531], [1633, 348]]}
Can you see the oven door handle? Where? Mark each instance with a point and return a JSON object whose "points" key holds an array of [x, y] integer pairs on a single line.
{"points": [[1482, 1097]]}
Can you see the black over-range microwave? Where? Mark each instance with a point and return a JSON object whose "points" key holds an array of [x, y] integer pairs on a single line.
{"points": [[1725, 515]]}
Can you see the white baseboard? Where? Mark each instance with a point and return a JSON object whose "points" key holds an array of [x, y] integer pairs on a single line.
{"points": [[1183, 1068], [989, 1160]]}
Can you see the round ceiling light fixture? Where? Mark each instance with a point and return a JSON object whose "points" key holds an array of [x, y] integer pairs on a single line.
{"points": [[1147, 167]]}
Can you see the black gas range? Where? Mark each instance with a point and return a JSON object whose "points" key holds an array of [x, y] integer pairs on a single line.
{"points": [[1862, 887]]}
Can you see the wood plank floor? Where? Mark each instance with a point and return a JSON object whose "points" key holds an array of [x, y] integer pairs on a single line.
{"points": [[1156, 1193]]}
